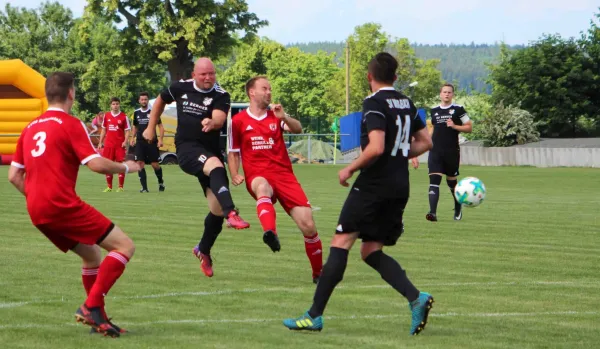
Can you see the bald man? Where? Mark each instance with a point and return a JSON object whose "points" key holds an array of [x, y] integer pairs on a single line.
{"points": [[202, 107]]}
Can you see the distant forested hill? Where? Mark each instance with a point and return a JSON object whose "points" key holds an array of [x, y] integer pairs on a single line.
{"points": [[463, 64]]}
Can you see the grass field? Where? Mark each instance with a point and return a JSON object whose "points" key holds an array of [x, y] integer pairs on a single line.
{"points": [[521, 271]]}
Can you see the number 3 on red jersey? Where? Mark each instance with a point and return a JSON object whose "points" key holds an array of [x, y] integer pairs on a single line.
{"points": [[40, 145]]}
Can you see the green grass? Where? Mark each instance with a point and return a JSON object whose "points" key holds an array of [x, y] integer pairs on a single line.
{"points": [[521, 271]]}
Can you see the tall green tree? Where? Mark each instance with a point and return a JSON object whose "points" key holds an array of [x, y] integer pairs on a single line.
{"points": [[553, 79], [411, 69], [175, 32], [251, 59], [298, 80]]}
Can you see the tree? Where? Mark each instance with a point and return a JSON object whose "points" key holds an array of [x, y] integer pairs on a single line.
{"points": [[507, 126], [553, 79], [298, 80], [251, 59], [177, 31]]}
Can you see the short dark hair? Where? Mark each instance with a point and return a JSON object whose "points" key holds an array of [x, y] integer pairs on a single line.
{"points": [[58, 85], [144, 94], [447, 85], [383, 68], [115, 99], [250, 83]]}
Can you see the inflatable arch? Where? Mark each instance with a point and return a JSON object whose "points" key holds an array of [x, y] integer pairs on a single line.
{"points": [[22, 99]]}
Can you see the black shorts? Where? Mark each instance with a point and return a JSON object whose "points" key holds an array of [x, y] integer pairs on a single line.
{"points": [[147, 152], [374, 217], [444, 162], [191, 158]]}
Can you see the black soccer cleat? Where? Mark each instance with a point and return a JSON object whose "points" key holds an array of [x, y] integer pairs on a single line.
{"points": [[432, 217], [457, 212], [316, 279], [272, 240], [93, 317], [161, 187], [144, 190]]}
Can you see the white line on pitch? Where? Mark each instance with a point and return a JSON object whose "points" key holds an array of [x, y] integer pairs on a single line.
{"points": [[304, 289], [349, 317]]}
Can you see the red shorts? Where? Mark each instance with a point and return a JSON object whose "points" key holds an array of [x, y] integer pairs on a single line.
{"points": [[286, 190], [83, 224], [114, 153]]}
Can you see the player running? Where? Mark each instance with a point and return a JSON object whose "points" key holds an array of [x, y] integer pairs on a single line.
{"points": [[49, 153], [448, 121], [113, 139], [147, 152], [202, 107], [374, 207], [256, 135]]}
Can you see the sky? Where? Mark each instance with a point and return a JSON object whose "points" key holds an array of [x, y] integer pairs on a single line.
{"points": [[424, 21]]}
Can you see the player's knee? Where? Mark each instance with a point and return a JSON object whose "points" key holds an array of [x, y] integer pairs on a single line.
{"points": [[368, 248], [263, 189], [210, 164], [155, 165], [213, 223], [435, 179], [308, 227], [141, 164]]}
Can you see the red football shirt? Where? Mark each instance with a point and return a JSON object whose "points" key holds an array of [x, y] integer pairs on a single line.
{"points": [[115, 126], [260, 141], [51, 149]]}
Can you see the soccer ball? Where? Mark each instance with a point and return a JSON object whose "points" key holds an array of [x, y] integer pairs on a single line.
{"points": [[470, 192]]}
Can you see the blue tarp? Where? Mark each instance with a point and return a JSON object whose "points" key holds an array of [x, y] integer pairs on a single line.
{"points": [[350, 124]]}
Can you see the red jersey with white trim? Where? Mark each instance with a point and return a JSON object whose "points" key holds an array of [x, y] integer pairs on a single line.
{"points": [[260, 142], [51, 149], [115, 126]]}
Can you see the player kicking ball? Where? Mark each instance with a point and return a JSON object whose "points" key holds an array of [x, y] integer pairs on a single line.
{"points": [[256, 136], [49, 153]]}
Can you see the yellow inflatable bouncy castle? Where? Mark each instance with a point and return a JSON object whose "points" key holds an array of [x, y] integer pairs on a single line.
{"points": [[22, 99]]}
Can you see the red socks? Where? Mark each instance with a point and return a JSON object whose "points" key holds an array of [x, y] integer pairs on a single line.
{"points": [[110, 270], [314, 251], [88, 277], [109, 179], [266, 213], [121, 180]]}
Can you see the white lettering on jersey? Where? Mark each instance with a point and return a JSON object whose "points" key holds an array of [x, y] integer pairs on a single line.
{"points": [[398, 103]]}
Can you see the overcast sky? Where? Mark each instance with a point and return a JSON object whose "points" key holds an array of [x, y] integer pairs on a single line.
{"points": [[424, 21]]}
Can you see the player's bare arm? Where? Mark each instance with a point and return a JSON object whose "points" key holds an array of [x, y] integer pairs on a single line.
{"points": [[16, 176], [157, 109], [105, 166], [291, 125], [216, 122], [127, 132], [372, 151], [101, 141], [133, 140], [420, 144], [466, 128], [161, 134], [233, 162]]}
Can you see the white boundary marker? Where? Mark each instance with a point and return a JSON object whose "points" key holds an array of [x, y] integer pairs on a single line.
{"points": [[349, 317], [17, 304]]}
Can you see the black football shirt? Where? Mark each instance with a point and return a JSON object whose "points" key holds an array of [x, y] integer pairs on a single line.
{"points": [[394, 113], [444, 137], [141, 118], [193, 106]]}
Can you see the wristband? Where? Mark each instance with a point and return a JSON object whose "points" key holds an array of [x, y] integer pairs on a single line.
{"points": [[126, 168]]}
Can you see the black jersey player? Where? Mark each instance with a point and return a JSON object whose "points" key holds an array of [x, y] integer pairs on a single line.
{"points": [[448, 121], [202, 107], [374, 207], [147, 152]]}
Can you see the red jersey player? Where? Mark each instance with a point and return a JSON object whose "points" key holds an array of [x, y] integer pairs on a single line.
{"points": [[115, 127], [49, 153], [257, 136]]}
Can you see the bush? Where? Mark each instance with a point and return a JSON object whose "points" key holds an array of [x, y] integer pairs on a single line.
{"points": [[506, 126]]}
